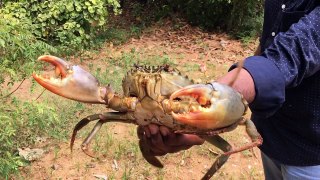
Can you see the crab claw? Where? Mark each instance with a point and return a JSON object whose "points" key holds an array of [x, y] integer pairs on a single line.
{"points": [[220, 106], [71, 82]]}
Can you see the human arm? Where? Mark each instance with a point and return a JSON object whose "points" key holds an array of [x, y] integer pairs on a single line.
{"points": [[292, 56]]}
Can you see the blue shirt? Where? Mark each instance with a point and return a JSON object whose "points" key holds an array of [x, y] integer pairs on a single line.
{"points": [[286, 109]]}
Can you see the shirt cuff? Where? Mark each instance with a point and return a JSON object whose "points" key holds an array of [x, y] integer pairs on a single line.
{"points": [[269, 86]]}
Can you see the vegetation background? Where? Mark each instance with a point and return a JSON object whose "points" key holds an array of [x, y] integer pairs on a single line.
{"points": [[30, 28]]}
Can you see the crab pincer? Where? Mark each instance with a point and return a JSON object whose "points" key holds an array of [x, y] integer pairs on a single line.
{"points": [[221, 106], [71, 81]]}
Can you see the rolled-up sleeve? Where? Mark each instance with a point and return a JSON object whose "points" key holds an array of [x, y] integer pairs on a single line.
{"points": [[293, 56]]}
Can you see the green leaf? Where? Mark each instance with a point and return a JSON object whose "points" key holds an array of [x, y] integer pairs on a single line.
{"points": [[81, 31], [70, 7], [2, 42], [78, 8], [94, 2], [91, 9]]}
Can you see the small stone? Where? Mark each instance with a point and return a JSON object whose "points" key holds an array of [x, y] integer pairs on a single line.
{"points": [[101, 176], [198, 80], [203, 67], [224, 43], [31, 154], [90, 165], [115, 165], [40, 139], [56, 166]]}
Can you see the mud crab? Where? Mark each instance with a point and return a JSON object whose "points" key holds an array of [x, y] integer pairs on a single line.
{"points": [[159, 95]]}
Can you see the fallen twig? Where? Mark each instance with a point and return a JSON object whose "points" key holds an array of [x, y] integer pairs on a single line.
{"points": [[6, 96], [41, 94]]}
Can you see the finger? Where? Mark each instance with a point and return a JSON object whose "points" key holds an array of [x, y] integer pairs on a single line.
{"points": [[157, 141], [154, 140], [156, 145], [164, 131], [142, 136], [154, 129], [140, 132], [147, 131], [156, 137], [157, 152], [160, 144], [174, 149], [183, 140], [190, 139]]}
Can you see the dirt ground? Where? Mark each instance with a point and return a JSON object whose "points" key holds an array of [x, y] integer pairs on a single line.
{"points": [[212, 54]]}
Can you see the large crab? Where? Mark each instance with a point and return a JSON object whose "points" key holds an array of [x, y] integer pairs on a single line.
{"points": [[159, 95]]}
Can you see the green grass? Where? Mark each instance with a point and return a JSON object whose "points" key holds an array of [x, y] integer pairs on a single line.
{"points": [[22, 122]]}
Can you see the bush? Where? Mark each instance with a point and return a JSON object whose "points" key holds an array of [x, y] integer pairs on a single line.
{"points": [[210, 14], [19, 47], [246, 18], [242, 18], [9, 163], [29, 26], [64, 22]]}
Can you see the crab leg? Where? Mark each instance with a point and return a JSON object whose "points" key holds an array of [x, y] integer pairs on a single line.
{"points": [[254, 136], [85, 144], [111, 117], [102, 118], [250, 129], [224, 146], [80, 125]]}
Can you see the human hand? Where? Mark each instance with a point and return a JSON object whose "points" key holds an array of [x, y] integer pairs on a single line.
{"points": [[162, 140]]}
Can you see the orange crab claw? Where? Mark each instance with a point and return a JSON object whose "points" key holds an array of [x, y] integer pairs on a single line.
{"points": [[215, 100], [71, 82]]}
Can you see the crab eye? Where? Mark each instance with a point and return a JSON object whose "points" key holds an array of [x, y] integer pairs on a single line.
{"points": [[177, 99]]}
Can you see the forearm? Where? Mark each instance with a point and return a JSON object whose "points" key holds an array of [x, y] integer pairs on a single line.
{"points": [[243, 83], [260, 82]]}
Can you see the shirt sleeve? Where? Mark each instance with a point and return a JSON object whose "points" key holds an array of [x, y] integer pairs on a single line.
{"points": [[293, 56]]}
